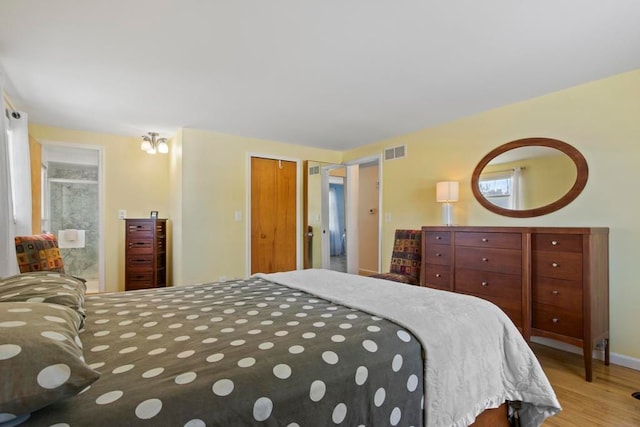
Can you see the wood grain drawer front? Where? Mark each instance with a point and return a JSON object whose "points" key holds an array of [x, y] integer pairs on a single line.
{"points": [[511, 307], [499, 260], [558, 265], [489, 283], [133, 285], [438, 254], [489, 240], [139, 247], [140, 261], [141, 275], [558, 293], [557, 320], [556, 242], [437, 237], [140, 229], [437, 276]]}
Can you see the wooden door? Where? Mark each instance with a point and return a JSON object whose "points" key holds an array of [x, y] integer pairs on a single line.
{"points": [[273, 215]]}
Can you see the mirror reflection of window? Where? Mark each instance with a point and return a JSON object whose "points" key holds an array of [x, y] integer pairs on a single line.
{"points": [[502, 188]]}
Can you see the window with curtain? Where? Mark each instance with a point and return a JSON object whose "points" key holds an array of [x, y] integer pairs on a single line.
{"points": [[501, 188]]}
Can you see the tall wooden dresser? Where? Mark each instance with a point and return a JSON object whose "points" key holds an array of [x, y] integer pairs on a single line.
{"points": [[552, 282], [145, 253]]}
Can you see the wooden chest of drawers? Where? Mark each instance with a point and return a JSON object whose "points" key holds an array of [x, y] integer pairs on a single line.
{"points": [[552, 282], [478, 261], [145, 253]]}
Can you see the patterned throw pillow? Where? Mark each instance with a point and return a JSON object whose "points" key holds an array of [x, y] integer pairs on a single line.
{"points": [[38, 253], [40, 357], [45, 286]]}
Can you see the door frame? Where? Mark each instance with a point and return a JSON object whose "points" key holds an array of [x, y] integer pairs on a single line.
{"points": [[363, 160], [298, 162], [351, 201], [101, 200]]}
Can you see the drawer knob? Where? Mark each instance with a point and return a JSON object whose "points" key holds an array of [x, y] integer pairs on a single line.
{"points": [[555, 320], [484, 239], [438, 238], [554, 264], [554, 242], [438, 275], [438, 254], [555, 292], [485, 259], [485, 283]]}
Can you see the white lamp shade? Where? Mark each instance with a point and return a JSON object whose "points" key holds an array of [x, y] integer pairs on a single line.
{"points": [[447, 191], [145, 145]]}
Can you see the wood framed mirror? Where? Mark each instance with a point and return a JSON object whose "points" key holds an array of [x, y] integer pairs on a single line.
{"points": [[529, 177]]}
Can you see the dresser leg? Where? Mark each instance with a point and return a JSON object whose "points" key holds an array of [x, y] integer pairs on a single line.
{"points": [[606, 351]]}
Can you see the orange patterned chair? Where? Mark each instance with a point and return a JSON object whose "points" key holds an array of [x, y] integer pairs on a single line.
{"points": [[406, 258], [38, 252]]}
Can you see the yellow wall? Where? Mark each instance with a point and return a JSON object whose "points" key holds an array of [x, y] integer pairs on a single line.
{"points": [[601, 119], [214, 186], [133, 180]]}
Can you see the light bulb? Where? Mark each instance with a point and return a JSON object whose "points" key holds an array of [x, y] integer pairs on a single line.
{"points": [[163, 147], [146, 145]]}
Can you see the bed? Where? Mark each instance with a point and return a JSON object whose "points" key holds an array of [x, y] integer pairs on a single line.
{"points": [[309, 347]]}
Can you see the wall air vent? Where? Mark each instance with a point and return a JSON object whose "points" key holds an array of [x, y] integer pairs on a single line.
{"points": [[395, 152], [314, 170]]}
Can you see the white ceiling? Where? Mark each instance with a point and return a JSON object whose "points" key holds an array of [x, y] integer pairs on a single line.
{"points": [[326, 73]]}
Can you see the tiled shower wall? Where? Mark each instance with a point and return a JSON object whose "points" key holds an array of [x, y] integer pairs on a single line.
{"points": [[74, 205]]}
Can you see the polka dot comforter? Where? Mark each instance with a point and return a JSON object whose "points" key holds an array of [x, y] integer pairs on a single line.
{"points": [[246, 352]]}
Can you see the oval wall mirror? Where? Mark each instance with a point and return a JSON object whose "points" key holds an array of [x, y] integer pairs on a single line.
{"points": [[529, 177]]}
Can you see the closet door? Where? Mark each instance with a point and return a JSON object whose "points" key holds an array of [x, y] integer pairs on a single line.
{"points": [[273, 215]]}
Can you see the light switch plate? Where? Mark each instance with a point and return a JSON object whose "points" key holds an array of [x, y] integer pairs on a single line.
{"points": [[122, 214]]}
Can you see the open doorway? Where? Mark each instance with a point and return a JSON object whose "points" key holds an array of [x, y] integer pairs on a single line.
{"points": [[350, 216], [71, 207]]}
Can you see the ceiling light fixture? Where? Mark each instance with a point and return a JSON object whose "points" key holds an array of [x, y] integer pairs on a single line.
{"points": [[152, 144]]}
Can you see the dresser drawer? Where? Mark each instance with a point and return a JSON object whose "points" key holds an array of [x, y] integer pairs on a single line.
{"points": [[556, 320], [510, 306], [558, 265], [498, 260], [489, 240], [437, 237], [565, 294], [556, 242], [140, 261], [438, 254], [140, 275], [437, 276], [140, 229], [138, 247], [488, 283]]}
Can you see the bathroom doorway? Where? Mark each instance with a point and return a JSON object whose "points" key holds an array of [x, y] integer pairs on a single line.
{"points": [[71, 207]]}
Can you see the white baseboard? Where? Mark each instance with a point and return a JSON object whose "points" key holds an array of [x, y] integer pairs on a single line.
{"points": [[615, 358]]}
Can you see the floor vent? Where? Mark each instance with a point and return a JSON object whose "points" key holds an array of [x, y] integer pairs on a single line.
{"points": [[636, 395], [395, 152], [314, 170]]}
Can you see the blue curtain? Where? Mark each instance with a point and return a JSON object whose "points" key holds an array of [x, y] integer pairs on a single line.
{"points": [[336, 219]]}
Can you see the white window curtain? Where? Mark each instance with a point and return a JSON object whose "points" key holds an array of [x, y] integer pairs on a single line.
{"points": [[20, 170], [8, 264], [15, 186]]}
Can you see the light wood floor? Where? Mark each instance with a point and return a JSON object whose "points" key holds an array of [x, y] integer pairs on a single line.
{"points": [[606, 401]]}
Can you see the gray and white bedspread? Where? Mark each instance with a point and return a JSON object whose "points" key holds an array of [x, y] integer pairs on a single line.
{"points": [[475, 357], [247, 352]]}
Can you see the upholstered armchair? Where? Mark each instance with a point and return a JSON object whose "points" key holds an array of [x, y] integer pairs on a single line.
{"points": [[406, 258]]}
